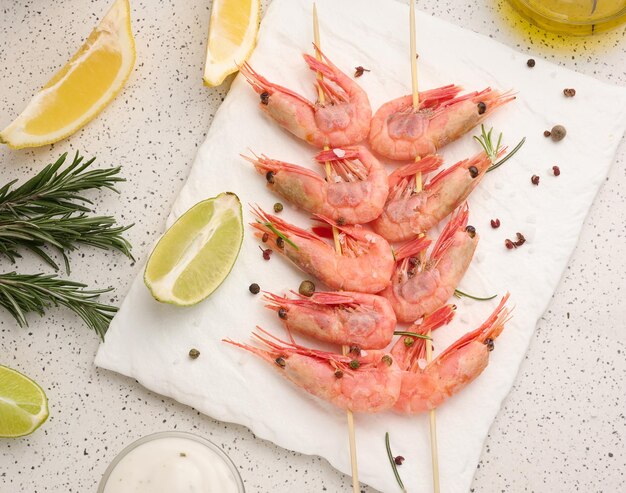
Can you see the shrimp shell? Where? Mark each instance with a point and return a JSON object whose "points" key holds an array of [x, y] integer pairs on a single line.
{"points": [[355, 193], [344, 318]]}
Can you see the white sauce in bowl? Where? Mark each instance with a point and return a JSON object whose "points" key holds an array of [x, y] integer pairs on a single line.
{"points": [[172, 465]]}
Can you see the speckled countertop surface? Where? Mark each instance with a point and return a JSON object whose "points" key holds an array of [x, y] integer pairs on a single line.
{"points": [[563, 426]]}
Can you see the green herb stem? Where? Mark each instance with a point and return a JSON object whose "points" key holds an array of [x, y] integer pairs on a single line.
{"points": [[273, 229], [412, 334], [21, 294], [393, 463], [459, 294], [492, 151]]}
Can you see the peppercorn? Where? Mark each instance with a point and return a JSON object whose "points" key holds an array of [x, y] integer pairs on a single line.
{"points": [[354, 364], [307, 288], [569, 92], [358, 71], [282, 313], [489, 344], [398, 460], [278, 207], [265, 97], [530, 62], [194, 353], [266, 253], [520, 240], [470, 230], [558, 132], [547, 133], [495, 223], [387, 360], [482, 107], [341, 221], [338, 374], [280, 361], [409, 341], [534, 180], [355, 350], [280, 243], [265, 237], [254, 288], [509, 244], [473, 171], [269, 176], [556, 170]]}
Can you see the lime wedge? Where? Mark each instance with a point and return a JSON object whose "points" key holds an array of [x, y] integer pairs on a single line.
{"points": [[23, 404], [196, 254]]}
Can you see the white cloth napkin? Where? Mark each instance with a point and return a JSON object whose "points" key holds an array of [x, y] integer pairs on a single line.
{"points": [[150, 341]]}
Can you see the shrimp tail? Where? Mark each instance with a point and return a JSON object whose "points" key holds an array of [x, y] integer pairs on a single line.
{"points": [[412, 248], [337, 154], [456, 222], [261, 85]]}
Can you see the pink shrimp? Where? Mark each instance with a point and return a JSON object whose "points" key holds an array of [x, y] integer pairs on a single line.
{"points": [[367, 383], [345, 318], [355, 193], [343, 119], [399, 132], [408, 213], [454, 369], [365, 263], [421, 287]]}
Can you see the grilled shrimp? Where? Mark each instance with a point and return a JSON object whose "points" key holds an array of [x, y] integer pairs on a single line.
{"points": [[343, 119], [355, 193], [408, 213], [365, 263], [426, 388], [421, 287], [345, 318], [399, 132], [367, 383]]}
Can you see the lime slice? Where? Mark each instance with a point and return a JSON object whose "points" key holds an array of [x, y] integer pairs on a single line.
{"points": [[196, 254], [23, 404]]}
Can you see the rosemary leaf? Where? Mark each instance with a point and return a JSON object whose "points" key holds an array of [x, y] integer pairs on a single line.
{"points": [[486, 142], [393, 463], [21, 294], [460, 294]]}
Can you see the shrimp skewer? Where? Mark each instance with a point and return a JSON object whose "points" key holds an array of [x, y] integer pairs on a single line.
{"points": [[346, 318], [454, 369], [367, 383], [418, 288], [409, 212], [365, 263], [342, 119], [354, 193], [400, 132]]}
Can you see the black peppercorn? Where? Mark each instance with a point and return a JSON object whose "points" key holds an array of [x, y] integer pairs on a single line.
{"points": [[530, 62], [254, 288]]}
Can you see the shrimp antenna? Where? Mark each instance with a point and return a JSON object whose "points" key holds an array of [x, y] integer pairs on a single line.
{"points": [[321, 96], [418, 186]]}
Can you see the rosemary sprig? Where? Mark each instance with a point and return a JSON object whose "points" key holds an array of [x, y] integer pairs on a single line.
{"points": [[392, 461], [51, 191], [486, 142], [459, 294], [49, 210], [63, 232], [273, 229], [21, 294], [412, 334]]}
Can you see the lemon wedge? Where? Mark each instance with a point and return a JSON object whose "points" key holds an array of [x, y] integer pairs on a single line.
{"points": [[232, 36], [82, 88]]}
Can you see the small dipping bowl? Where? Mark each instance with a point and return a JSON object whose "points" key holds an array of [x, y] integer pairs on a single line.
{"points": [[171, 462]]}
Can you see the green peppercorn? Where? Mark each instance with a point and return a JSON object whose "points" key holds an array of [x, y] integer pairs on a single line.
{"points": [[307, 288], [409, 341], [278, 207], [354, 364], [194, 353], [387, 360]]}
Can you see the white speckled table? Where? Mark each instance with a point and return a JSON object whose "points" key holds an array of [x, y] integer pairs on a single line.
{"points": [[562, 427]]}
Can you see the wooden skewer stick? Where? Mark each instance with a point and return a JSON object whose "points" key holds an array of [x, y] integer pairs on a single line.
{"points": [[322, 98], [418, 186]]}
